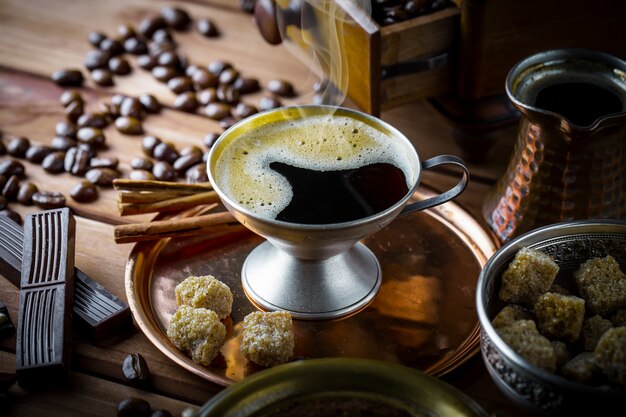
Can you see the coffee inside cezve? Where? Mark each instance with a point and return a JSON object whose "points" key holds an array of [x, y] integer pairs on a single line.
{"points": [[325, 197], [580, 103]]}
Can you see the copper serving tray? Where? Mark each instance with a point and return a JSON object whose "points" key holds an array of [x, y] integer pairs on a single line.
{"points": [[423, 317]]}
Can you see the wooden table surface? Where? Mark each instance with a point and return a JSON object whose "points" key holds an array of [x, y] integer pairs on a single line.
{"points": [[38, 37]]}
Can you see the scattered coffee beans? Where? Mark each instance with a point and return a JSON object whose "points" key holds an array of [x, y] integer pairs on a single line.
{"points": [[134, 407], [207, 28], [68, 78], [48, 199], [129, 125], [135, 369], [84, 192]]}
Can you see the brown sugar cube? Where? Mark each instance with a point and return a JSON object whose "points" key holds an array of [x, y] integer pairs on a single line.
{"points": [[593, 329], [560, 316], [530, 274], [197, 332], [524, 338], [268, 338], [610, 354], [602, 284], [207, 292], [618, 318], [581, 368], [510, 314], [561, 352]]}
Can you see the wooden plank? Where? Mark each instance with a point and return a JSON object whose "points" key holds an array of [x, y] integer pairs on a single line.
{"points": [[394, 91]]}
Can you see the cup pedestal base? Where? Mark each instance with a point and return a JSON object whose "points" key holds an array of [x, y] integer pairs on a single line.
{"points": [[311, 289]]}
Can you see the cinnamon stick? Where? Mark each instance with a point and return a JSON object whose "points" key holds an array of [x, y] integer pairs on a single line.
{"points": [[123, 184], [171, 204], [209, 223]]}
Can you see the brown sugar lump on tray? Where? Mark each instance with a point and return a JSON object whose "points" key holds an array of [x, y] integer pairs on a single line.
{"points": [[268, 338], [581, 368], [593, 329], [530, 274], [510, 314], [610, 354], [197, 332], [205, 291], [524, 338], [560, 316], [602, 284]]}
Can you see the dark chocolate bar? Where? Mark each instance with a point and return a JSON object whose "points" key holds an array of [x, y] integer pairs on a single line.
{"points": [[98, 314], [6, 325], [43, 344]]}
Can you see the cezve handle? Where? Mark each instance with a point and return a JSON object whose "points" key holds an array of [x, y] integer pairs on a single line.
{"points": [[445, 196]]}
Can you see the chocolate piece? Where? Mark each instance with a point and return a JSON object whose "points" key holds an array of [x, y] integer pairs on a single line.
{"points": [[98, 314], [46, 294], [6, 325]]}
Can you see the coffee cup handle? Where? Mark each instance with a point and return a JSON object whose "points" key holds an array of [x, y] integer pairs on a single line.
{"points": [[445, 196]]}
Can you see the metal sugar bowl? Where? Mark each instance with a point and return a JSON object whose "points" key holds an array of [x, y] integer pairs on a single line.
{"points": [[569, 161]]}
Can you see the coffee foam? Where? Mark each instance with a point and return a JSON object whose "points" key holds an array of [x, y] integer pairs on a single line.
{"points": [[322, 143]]}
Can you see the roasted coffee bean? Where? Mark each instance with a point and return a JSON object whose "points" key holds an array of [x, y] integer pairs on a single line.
{"points": [[112, 46], [4, 203], [10, 189], [76, 161], [165, 151], [133, 407], [84, 192], [17, 146], [135, 369], [227, 122], [117, 99], [161, 413], [196, 173], [90, 149], [186, 102], [206, 96], [203, 79], [125, 31], [163, 74], [243, 110], [175, 17], [190, 412], [92, 136], [150, 103], [281, 87], [216, 67], [168, 59], [10, 167], [74, 110], [105, 162], [102, 77], [267, 103], [163, 171], [119, 66], [68, 78], [141, 175], [3, 181], [247, 5], [96, 120], [49, 199], [148, 144], [190, 149], [26, 192], [69, 96], [54, 163], [95, 38], [247, 85], [209, 139], [108, 110], [11, 214], [135, 46], [227, 94], [184, 162], [157, 48], [141, 163], [102, 176], [180, 84], [129, 125], [37, 153], [65, 129], [146, 62], [62, 143], [207, 28], [217, 111], [162, 35], [131, 106], [149, 25], [228, 76], [96, 58]]}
